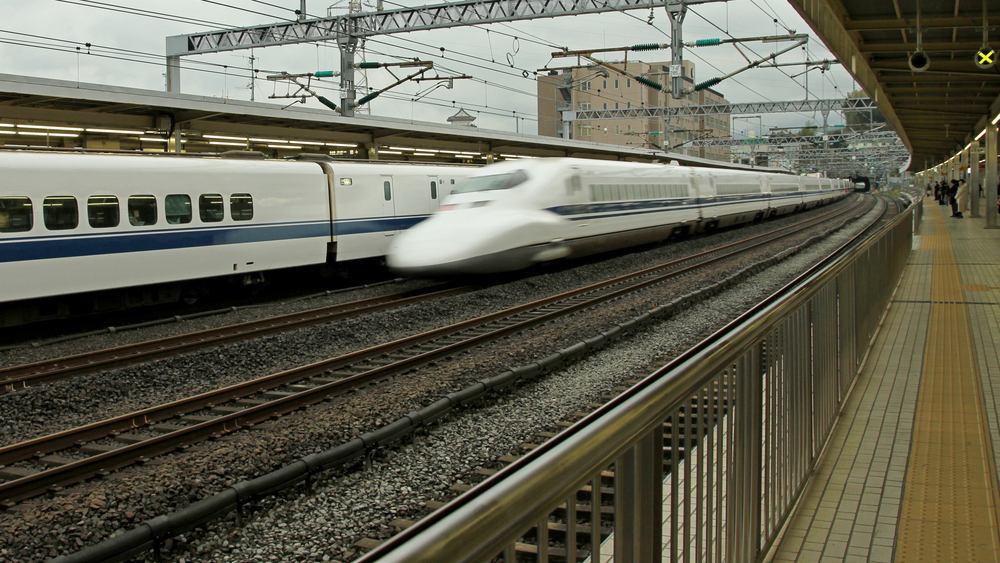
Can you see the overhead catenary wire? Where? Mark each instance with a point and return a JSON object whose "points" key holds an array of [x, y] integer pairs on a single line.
{"points": [[145, 13], [230, 6]]}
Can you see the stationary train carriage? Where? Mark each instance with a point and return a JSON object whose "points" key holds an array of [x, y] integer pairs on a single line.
{"points": [[515, 214], [75, 224]]}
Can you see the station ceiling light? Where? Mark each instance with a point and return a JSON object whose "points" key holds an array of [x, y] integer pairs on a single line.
{"points": [[20, 126], [119, 131], [47, 134], [224, 138]]}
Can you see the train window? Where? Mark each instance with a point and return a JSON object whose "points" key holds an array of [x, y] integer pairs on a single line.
{"points": [[177, 208], [434, 190], [493, 182], [141, 210], [211, 208], [15, 214], [60, 213], [387, 190], [241, 207], [103, 212]]}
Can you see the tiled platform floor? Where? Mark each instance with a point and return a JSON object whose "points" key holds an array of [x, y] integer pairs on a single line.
{"points": [[910, 473]]}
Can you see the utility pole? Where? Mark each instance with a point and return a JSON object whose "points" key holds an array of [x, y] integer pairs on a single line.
{"points": [[348, 45], [676, 9]]}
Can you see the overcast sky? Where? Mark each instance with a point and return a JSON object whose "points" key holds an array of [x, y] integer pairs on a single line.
{"points": [[40, 38]]}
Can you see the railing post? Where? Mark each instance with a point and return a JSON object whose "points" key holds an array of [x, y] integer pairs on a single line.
{"points": [[756, 404], [649, 495], [625, 505]]}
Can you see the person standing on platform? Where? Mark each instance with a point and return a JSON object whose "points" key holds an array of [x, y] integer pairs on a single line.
{"points": [[945, 193], [960, 199], [963, 198]]}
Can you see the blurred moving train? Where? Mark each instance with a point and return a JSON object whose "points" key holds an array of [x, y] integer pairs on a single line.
{"points": [[75, 225], [82, 233], [515, 214]]}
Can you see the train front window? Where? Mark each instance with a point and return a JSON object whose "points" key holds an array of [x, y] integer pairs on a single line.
{"points": [[211, 207], [102, 211], [141, 210], [15, 214], [60, 213], [494, 182], [177, 208]]}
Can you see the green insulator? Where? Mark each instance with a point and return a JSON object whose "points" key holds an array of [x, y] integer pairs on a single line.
{"points": [[707, 42], [369, 65], [327, 103], [368, 98], [650, 83], [707, 84], [646, 47], [324, 74]]}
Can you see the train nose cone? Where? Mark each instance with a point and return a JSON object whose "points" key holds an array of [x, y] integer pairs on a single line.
{"points": [[474, 241]]}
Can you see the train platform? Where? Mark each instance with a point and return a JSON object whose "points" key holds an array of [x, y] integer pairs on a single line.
{"points": [[910, 473]]}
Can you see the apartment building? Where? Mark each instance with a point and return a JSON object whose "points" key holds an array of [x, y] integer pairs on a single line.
{"points": [[594, 87]]}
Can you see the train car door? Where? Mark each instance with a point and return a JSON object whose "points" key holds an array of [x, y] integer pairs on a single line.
{"points": [[435, 186], [388, 219]]}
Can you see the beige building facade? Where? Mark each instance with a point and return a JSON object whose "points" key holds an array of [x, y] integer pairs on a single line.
{"points": [[593, 87]]}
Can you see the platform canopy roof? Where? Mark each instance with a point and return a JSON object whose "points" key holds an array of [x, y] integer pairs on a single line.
{"points": [[938, 111], [59, 102]]}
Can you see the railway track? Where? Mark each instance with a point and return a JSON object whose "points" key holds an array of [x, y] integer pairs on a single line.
{"points": [[29, 375], [108, 445]]}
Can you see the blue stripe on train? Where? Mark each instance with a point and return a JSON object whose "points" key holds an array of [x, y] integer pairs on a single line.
{"points": [[602, 210], [94, 244]]}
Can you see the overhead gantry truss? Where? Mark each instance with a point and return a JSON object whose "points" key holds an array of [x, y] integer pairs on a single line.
{"points": [[811, 140], [840, 104], [348, 30], [452, 14]]}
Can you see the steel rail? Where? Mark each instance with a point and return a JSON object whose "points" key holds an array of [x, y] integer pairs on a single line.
{"points": [[21, 377], [25, 487]]}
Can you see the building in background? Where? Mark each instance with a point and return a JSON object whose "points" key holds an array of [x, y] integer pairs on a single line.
{"points": [[593, 87]]}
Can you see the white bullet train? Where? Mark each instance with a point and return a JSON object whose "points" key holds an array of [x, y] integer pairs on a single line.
{"points": [[75, 224], [515, 214]]}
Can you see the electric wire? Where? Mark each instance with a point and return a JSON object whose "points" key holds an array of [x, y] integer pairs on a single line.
{"points": [[230, 6], [140, 12]]}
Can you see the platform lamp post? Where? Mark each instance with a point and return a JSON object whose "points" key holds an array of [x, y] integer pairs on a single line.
{"points": [[990, 182]]}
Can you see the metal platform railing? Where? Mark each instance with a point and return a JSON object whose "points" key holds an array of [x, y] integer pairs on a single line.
{"points": [[709, 454]]}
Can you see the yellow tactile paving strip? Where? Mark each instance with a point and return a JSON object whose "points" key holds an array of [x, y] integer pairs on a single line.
{"points": [[950, 497]]}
